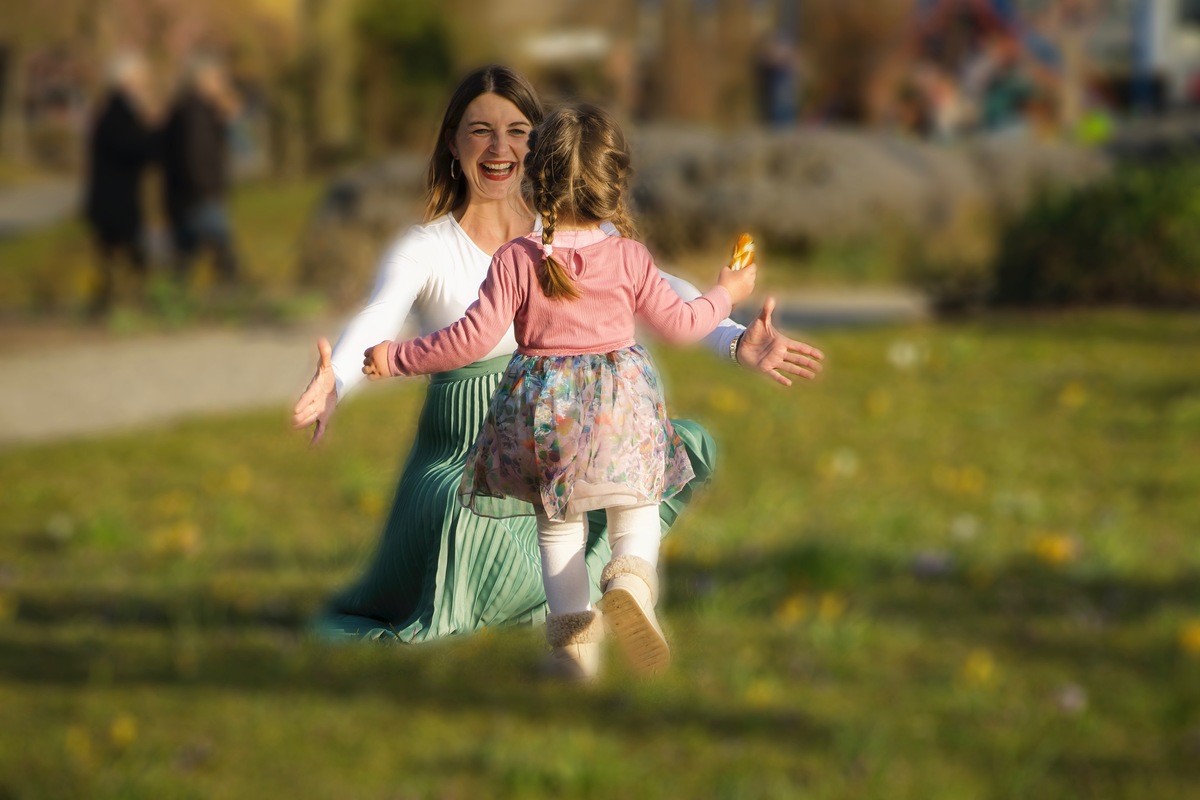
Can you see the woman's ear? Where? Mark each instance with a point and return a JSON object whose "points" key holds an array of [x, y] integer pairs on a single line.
{"points": [[450, 143]]}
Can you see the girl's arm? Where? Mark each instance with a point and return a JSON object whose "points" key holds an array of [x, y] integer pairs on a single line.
{"points": [[726, 331], [674, 320]]}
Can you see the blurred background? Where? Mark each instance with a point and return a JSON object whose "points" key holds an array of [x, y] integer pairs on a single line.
{"points": [[962, 563]]}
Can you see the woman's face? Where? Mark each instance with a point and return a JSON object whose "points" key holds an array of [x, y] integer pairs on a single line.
{"points": [[490, 145]]}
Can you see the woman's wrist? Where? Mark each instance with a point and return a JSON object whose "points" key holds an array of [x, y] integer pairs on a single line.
{"points": [[734, 344]]}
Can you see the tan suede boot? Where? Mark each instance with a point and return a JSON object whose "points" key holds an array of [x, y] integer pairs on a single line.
{"points": [[630, 587], [574, 638]]}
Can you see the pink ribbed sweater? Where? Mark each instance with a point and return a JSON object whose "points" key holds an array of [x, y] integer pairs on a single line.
{"points": [[618, 282]]}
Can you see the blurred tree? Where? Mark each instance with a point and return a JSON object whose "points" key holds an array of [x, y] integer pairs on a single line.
{"points": [[38, 25], [404, 70], [850, 44]]}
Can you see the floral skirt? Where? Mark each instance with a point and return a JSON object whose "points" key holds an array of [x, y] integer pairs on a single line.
{"points": [[570, 434]]}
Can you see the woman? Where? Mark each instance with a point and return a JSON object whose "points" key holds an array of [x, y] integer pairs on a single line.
{"points": [[439, 569]]}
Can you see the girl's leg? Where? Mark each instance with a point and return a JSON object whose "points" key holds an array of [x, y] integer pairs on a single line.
{"points": [[573, 629], [564, 571], [630, 586], [635, 531]]}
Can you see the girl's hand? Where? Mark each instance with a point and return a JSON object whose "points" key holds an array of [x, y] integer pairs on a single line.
{"points": [[319, 400], [375, 362], [766, 350], [739, 283]]}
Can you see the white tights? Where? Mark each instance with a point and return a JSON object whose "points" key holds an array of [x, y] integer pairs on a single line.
{"points": [[632, 531]]}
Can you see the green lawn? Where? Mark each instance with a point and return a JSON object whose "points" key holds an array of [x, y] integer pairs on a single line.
{"points": [[963, 564]]}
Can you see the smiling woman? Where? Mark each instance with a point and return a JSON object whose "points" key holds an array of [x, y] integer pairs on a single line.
{"points": [[440, 569]]}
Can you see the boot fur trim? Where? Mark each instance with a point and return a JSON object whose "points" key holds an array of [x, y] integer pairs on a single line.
{"points": [[573, 627], [631, 565]]}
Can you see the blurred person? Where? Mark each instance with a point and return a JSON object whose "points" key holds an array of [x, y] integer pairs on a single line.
{"points": [[440, 569], [196, 168], [999, 85], [776, 78], [578, 422], [120, 145]]}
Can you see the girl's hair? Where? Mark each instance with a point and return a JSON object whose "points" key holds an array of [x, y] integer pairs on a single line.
{"points": [[577, 170], [445, 193]]}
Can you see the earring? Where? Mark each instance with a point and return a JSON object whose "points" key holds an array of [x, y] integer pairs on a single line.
{"points": [[453, 162]]}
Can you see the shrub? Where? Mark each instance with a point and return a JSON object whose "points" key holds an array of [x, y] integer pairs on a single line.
{"points": [[1134, 238]]}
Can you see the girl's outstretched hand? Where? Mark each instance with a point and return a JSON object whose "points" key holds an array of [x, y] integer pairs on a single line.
{"points": [[375, 362], [764, 349], [319, 400], [740, 282]]}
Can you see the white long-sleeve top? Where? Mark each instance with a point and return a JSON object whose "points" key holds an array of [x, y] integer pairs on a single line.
{"points": [[432, 273]]}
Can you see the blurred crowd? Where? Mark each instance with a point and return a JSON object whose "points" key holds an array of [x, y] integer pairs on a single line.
{"points": [[185, 138], [968, 68]]}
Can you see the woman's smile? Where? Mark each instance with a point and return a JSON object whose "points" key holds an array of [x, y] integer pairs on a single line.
{"points": [[497, 170]]}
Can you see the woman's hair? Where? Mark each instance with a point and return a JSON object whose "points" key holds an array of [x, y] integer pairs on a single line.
{"points": [[577, 170], [443, 192]]}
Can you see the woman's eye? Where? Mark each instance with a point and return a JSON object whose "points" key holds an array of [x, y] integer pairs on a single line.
{"points": [[481, 131], [519, 132]]}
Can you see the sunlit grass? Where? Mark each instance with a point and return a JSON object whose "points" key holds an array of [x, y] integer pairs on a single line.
{"points": [[962, 564]]}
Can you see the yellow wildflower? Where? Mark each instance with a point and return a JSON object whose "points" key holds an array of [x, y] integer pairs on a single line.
{"points": [[123, 730], [1189, 637], [1055, 549], [979, 669], [831, 606]]}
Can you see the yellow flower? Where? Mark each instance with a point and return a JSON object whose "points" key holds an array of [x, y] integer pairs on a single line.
{"points": [[970, 481], [1072, 396], [980, 668], [831, 607], [182, 538], [174, 503], [761, 693], [123, 731], [1055, 549], [879, 402], [239, 479], [727, 401], [1189, 637], [793, 609], [370, 503]]}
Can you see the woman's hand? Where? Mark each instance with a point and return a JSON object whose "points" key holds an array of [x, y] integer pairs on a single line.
{"points": [[766, 350], [375, 362], [320, 398]]}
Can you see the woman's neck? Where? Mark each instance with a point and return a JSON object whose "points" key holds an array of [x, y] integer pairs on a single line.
{"points": [[492, 223]]}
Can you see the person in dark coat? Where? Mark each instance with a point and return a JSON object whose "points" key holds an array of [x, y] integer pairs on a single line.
{"points": [[121, 144], [196, 167]]}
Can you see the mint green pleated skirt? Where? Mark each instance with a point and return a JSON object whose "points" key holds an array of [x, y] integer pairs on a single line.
{"points": [[441, 570]]}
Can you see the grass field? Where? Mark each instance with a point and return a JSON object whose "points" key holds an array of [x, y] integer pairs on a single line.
{"points": [[963, 564]]}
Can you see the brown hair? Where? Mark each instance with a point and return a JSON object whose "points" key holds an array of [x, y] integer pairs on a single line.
{"points": [[577, 169], [445, 193]]}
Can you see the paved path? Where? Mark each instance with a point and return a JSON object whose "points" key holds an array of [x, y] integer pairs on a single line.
{"points": [[65, 388], [65, 383], [29, 207]]}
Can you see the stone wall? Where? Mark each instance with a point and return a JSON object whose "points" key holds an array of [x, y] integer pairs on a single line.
{"points": [[693, 188]]}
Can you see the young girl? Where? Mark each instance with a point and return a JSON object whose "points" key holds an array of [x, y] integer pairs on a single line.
{"points": [[578, 421]]}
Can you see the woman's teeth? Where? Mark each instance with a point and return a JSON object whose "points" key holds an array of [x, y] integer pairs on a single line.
{"points": [[498, 170]]}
